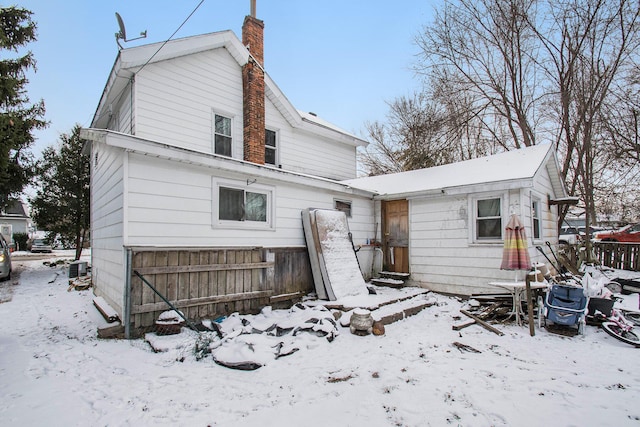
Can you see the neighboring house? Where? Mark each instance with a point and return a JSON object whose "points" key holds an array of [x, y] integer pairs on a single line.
{"points": [[14, 219], [445, 225], [201, 167]]}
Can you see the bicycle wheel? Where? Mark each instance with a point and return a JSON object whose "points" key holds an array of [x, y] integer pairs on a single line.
{"points": [[618, 333], [632, 317]]}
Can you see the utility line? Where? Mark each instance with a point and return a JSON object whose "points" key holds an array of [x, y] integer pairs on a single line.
{"points": [[158, 50], [174, 33]]}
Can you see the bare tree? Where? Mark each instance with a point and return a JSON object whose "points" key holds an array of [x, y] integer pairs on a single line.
{"points": [[487, 46], [413, 138], [621, 148], [511, 73], [588, 45]]}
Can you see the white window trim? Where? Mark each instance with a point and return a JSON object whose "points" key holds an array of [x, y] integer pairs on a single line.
{"points": [[277, 148], [535, 198], [230, 116], [472, 206], [251, 186]]}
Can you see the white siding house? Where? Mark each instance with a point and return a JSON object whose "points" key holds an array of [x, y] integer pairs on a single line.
{"points": [[185, 194], [450, 247], [168, 161]]}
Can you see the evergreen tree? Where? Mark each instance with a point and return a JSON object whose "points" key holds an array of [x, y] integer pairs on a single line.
{"points": [[18, 118], [61, 203]]}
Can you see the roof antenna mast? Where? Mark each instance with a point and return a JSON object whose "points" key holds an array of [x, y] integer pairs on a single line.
{"points": [[122, 34], [253, 9]]}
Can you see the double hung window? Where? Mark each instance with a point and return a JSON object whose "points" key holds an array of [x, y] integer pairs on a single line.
{"points": [[535, 218], [488, 219], [270, 147], [222, 135]]}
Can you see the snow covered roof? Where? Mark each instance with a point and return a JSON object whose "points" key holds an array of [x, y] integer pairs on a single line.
{"points": [[511, 169], [15, 209], [130, 60]]}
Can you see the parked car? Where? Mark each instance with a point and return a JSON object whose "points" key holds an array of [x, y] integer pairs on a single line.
{"points": [[39, 245], [5, 259], [570, 235], [627, 234]]}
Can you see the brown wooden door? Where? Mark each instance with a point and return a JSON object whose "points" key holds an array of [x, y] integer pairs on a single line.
{"points": [[395, 235]]}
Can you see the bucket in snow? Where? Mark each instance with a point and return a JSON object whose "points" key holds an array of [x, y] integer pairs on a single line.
{"points": [[77, 268]]}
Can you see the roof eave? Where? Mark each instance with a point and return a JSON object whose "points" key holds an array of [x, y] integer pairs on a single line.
{"points": [[485, 187], [147, 147]]}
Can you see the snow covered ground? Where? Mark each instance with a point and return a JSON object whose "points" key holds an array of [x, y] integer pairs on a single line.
{"points": [[55, 372]]}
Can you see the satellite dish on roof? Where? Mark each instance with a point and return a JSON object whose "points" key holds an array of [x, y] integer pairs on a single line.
{"points": [[122, 34]]}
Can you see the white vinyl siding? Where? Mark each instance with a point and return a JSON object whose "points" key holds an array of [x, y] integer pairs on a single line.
{"points": [[176, 209], [175, 99], [302, 152], [121, 114], [174, 104], [107, 226], [548, 214], [444, 255], [319, 157]]}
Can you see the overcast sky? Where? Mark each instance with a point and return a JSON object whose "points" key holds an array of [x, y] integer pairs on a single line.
{"points": [[341, 59]]}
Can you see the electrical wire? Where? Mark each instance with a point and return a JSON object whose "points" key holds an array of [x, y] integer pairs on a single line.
{"points": [[172, 35], [154, 54]]}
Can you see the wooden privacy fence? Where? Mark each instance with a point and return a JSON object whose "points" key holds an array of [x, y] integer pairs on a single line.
{"points": [[206, 283], [624, 256]]}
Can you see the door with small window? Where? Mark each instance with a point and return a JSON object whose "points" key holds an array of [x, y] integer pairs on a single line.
{"points": [[395, 235]]}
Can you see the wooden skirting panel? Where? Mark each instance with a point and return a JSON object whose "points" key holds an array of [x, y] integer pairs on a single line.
{"points": [[205, 283]]}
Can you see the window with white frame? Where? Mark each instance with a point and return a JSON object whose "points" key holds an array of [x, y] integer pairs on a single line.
{"points": [[270, 147], [536, 224], [240, 205], [222, 135], [488, 219]]}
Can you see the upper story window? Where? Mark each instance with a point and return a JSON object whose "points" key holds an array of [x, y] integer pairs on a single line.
{"points": [[222, 135], [488, 219], [535, 218], [270, 147]]}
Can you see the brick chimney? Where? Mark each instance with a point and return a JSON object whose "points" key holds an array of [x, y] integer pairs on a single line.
{"points": [[253, 89]]}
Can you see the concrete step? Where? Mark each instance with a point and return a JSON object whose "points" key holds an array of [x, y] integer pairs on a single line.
{"points": [[392, 283], [394, 275], [393, 310], [401, 310]]}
